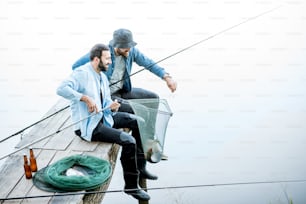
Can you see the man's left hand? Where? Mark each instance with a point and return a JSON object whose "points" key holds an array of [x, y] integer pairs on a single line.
{"points": [[115, 106], [170, 83]]}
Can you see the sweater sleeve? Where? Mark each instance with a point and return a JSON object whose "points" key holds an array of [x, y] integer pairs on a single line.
{"points": [[71, 88], [148, 63], [83, 60]]}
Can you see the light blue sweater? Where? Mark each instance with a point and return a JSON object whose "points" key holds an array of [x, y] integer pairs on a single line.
{"points": [[85, 81]]}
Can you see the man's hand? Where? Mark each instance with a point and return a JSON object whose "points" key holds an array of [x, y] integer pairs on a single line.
{"points": [[170, 82], [115, 106], [90, 104]]}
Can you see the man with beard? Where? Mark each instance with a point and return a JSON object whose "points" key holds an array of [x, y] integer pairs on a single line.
{"points": [[88, 90], [123, 55]]}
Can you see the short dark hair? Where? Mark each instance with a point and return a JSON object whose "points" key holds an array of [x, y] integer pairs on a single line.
{"points": [[97, 50]]}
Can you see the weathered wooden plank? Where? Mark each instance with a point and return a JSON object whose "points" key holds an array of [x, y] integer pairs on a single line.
{"points": [[61, 154], [11, 172], [43, 159], [102, 151], [39, 128], [46, 127], [61, 103], [54, 123], [16, 201], [21, 189], [77, 199], [21, 185], [81, 145], [61, 140], [63, 144]]}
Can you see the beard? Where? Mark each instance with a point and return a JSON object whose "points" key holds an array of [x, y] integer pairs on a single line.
{"points": [[102, 67], [124, 54]]}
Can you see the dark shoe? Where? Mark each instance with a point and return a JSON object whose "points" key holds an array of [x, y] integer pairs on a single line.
{"points": [[154, 157], [143, 172], [131, 187], [164, 157], [139, 194], [154, 154], [147, 175]]}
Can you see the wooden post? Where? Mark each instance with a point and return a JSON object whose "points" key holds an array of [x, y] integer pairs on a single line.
{"points": [[143, 184]]}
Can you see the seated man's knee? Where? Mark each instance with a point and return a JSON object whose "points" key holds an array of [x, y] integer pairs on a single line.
{"points": [[127, 138], [155, 96]]}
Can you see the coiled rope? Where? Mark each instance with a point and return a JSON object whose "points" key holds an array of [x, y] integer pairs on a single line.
{"points": [[74, 173]]}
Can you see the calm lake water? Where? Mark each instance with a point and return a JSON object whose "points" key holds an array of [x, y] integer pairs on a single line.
{"points": [[239, 111]]}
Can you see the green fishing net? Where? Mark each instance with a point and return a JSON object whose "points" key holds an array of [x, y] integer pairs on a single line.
{"points": [[152, 116], [73, 173]]}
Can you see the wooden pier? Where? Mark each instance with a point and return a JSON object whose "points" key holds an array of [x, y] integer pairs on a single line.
{"points": [[47, 151]]}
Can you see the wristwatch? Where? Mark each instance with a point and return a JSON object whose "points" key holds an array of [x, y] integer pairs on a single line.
{"points": [[167, 75]]}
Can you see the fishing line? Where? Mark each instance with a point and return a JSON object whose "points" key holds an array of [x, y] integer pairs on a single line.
{"points": [[163, 59], [58, 131], [157, 188]]}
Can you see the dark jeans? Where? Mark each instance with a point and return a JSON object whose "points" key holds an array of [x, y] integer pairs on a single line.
{"points": [[135, 93], [138, 93], [130, 143]]}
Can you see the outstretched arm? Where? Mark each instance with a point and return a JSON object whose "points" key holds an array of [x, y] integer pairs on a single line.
{"points": [[153, 67]]}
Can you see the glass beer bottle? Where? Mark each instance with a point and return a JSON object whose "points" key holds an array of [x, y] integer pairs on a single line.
{"points": [[33, 163], [27, 168]]}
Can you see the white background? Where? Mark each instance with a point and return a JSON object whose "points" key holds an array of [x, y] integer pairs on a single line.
{"points": [[239, 111]]}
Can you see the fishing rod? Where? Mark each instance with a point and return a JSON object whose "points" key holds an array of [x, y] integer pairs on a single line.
{"points": [[50, 135], [161, 60], [203, 40], [45, 118], [72, 124], [120, 100], [157, 188]]}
